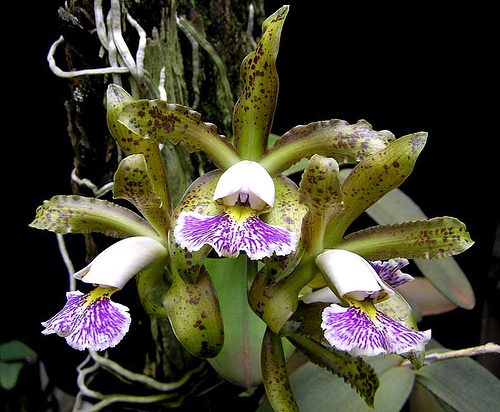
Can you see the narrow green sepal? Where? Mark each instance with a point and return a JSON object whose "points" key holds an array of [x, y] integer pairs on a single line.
{"points": [[135, 143], [78, 214], [320, 190], [335, 138], [435, 238], [254, 111], [275, 375], [372, 178], [157, 121], [194, 313], [133, 182]]}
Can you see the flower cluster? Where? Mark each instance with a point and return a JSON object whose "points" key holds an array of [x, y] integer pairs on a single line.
{"points": [[247, 205]]}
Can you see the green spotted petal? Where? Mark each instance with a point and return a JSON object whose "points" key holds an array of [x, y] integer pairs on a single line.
{"points": [[275, 374], [333, 138], [371, 179], [133, 143], [422, 239], [78, 214], [133, 182], [287, 213], [321, 191], [198, 199], [158, 121], [254, 111]]}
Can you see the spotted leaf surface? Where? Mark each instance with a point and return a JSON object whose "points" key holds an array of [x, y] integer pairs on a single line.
{"points": [[254, 111]]}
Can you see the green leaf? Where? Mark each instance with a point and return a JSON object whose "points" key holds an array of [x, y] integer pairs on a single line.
{"points": [[240, 359], [461, 384], [315, 388], [332, 138], [254, 111], [275, 374], [320, 190], [9, 374], [422, 239], [132, 143], [372, 178], [77, 214], [198, 198], [15, 350], [133, 182], [194, 313], [357, 373], [449, 279], [157, 121]]}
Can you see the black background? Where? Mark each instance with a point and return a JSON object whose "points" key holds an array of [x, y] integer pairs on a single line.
{"points": [[405, 68]]}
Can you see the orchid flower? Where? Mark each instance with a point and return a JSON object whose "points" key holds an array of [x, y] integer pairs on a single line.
{"points": [[362, 328], [245, 190], [92, 320]]}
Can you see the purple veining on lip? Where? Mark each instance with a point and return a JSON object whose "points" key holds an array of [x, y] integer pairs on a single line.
{"points": [[90, 322], [228, 237], [351, 329]]}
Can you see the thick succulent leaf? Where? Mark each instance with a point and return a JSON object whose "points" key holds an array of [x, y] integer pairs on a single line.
{"points": [[157, 121], [254, 111], [356, 372], [275, 374], [288, 213], [133, 182], [132, 143], [194, 313], [332, 138], [372, 178], [275, 303], [422, 239], [321, 191], [198, 198], [457, 384], [77, 214], [315, 389], [239, 360]]}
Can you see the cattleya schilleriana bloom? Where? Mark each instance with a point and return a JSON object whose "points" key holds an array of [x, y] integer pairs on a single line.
{"points": [[245, 190], [247, 204], [361, 328], [92, 320]]}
